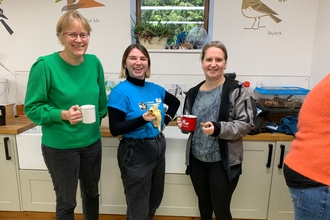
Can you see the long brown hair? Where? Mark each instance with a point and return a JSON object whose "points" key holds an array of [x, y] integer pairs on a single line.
{"points": [[123, 72]]}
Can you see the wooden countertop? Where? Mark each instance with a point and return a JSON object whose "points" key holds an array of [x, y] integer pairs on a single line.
{"points": [[16, 125], [269, 137], [258, 137], [19, 124]]}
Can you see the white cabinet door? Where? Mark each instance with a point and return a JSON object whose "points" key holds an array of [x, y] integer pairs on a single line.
{"points": [[179, 196], [112, 199], [9, 190], [280, 202], [38, 192], [250, 199]]}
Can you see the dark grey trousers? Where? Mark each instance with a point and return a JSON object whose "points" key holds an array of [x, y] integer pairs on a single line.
{"points": [[142, 166]]}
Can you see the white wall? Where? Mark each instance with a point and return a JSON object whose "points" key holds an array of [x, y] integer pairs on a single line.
{"points": [[282, 59], [34, 24], [321, 50], [286, 53]]}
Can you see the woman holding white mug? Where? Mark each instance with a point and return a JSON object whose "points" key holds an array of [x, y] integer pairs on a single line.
{"points": [[59, 84]]}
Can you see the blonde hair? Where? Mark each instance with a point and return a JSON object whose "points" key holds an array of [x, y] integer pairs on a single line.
{"points": [[66, 20], [124, 72]]}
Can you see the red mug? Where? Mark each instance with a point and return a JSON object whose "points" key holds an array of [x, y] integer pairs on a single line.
{"points": [[189, 122]]}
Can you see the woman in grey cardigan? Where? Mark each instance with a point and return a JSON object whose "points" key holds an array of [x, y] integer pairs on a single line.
{"points": [[214, 150]]}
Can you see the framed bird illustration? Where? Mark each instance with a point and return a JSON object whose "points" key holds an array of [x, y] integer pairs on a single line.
{"points": [[256, 9]]}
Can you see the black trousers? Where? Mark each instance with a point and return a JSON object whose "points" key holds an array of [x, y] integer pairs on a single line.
{"points": [[213, 188]]}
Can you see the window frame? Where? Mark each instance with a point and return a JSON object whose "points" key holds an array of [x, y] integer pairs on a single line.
{"points": [[208, 22], [206, 13]]}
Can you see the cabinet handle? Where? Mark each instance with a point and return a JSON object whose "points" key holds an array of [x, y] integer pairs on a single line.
{"points": [[270, 153], [5, 140], [280, 164]]}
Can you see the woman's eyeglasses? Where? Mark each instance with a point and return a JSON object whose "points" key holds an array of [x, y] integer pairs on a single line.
{"points": [[73, 36]]}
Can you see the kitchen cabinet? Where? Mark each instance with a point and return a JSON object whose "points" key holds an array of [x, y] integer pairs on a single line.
{"points": [[262, 192], [250, 199], [179, 196], [112, 198], [280, 202], [38, 193], [9, 181]]}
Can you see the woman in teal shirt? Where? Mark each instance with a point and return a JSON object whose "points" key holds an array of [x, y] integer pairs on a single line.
{"points": [[141, 151]]}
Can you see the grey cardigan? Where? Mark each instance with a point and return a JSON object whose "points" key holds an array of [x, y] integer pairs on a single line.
{"points": [[234, 122]]}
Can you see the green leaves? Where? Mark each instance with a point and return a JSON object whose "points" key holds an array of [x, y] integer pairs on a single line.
{"points": [[146, 29]]}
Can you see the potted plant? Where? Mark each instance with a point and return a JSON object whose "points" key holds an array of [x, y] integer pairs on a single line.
{"points": [[152, 35]]}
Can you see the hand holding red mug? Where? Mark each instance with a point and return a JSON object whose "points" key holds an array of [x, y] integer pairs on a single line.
{"points": [[187, 122]]}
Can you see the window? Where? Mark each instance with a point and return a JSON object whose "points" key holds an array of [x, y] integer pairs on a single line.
{"points": [[183, 15]]}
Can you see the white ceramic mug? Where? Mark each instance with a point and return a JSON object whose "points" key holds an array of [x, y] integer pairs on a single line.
{"points": [[88, 114]]}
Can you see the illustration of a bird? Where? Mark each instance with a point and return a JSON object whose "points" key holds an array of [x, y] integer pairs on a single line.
{"points": [[10, 31], [71, 5], [2, 15], [256, 9]]}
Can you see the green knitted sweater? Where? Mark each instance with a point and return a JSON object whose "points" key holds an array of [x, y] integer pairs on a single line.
{"points": [[55, 85]]}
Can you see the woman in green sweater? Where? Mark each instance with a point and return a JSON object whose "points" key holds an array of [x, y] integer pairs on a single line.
{"points": [[58, 85]]}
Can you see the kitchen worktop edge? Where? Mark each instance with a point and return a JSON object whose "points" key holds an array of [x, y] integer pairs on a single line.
{"points": [[20, 124], [16, 125]]}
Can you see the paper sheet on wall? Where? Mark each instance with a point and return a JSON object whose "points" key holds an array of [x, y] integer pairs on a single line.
{"points": [[177, 89]]}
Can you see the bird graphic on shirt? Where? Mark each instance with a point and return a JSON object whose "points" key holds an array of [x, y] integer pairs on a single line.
{"points": [[256, 9], [71, 5]]}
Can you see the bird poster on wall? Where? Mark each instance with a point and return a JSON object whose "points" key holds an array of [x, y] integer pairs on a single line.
{"points": [[70, 5], [73, 4], [256, 10], [5, 25]]}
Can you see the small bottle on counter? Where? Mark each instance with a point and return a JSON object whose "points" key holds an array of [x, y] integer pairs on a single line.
{"points": [[248, 88], [19, 109]]}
